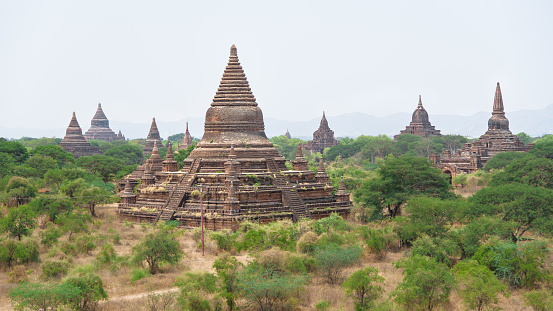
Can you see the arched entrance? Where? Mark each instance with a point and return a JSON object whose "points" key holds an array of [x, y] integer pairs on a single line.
{"points": [[449, 176]]}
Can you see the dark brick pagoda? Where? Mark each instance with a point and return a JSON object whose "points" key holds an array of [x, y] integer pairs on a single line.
{"points": [[74, 141]]}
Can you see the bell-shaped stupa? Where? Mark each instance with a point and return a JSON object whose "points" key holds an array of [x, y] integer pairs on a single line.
{"points": [[74, 141], [420, 124]]}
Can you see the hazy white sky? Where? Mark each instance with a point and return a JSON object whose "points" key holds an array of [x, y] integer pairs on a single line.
{"points": [[165, 58]]}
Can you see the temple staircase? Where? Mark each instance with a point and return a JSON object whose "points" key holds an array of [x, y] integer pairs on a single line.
{"points": [[177, 195], [290, 195]]}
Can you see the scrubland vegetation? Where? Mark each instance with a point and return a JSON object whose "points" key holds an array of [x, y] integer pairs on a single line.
{"points": [[412, 241]]}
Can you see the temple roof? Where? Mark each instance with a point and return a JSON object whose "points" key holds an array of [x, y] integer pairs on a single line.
{"points": [[154, 132], [74, 141], [420, 115], [498, 121], [99, 127]]}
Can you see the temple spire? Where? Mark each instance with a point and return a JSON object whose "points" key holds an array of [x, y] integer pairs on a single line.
{"points": [[420, 102], [299, 152], [498, 101]]}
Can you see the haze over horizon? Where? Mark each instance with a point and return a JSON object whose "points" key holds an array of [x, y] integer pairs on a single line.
{"points": [[166, 59]]}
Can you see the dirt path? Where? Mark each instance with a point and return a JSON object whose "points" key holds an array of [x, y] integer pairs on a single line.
{"points": [[142, 295]]}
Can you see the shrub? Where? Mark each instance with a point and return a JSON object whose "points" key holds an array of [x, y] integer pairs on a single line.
{"points": [[426, 283], [43, 296], [334, 221], [439, 249], [138, 274], [273, 258], [481, 287], [194, 288], [322, 305], [300, 264], [158, 247], [69, 248], [307, 243], [54, 269], [362, 287], [539, 300], [13, 252], [333, 259], [224, 239], [90, 285], [254, 239], [228, 268], [19, 274], [51, 235], [518, 264]]}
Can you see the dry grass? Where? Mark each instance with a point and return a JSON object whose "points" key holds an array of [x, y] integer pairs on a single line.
{"points": [[133, 297]]}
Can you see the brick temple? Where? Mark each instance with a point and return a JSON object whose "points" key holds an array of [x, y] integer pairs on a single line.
{"points": [[498, 138], [420, 124], [323, 138], [186, 139], [99, 128], [75, 143], [237, 169], [152, 139]]}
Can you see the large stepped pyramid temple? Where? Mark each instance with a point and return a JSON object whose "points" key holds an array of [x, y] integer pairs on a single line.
{"points": [[74, 141], [238, 171]]}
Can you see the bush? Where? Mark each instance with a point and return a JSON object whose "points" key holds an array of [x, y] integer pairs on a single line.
{"points": [[362, 287], [85, 244], [224, 239], [300, 264], [333, 259], [90, 285], [18, 252], [254, 239], [539, 300], [334, 221], [481, 287], [323, 305], [43, 296], [440, 249], [51, 235], [307, 243], [194, 289], [54, 269], [19, 274], [138, 274], [522, 265], [426, 283], [158, 247]]}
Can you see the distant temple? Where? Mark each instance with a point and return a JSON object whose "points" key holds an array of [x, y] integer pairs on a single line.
{"points": [[186, 140], [420, 124], [288, 134], [498, 138], [323, 138], [74, 141], [235, 168], [152, 139], [99, 128]]}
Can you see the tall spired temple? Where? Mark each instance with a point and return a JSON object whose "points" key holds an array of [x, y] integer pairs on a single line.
{"points": [[235, 168], [99, 127], [498, 138], [152, 139], [74, 141], [323, 137], [420, 124], [186, 139]]}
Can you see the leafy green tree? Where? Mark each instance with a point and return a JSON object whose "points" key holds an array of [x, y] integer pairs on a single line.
{"points": [[19, 222], [20, 189], [441, 249], [72, 188], [176, 137], [90, 286], [74, 222], [20, 252], [15, 149], [228, 269], [543, 147], [525, 138], [503, 159], [286, 147], [523, 206], [101, 165], [32, 143], [333, 259], [43, 296], [426, 284], [54, 178], [61, 156], [268, 288], [363, 286], [7, 164], [158, 247], [401, 145], [480, 286], [95, 195], [431, 216], [528, 170], [472, 235], [425, 147], [129, 154], [539, 300], [36, 166], [377, 146], [399, 179], [182, 154], [452, 142]]}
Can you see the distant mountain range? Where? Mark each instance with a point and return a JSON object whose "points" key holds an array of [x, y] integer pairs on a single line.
{"points": [[532, 122]]}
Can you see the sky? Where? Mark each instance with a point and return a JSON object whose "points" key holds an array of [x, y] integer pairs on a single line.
{"points": [[164, 59]]}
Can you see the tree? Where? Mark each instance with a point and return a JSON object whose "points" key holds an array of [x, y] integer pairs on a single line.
{"points": [[362, 286], [20, 189], [158, 247], [54, 178], [452, 142], [228, 269], [101, 165], [333, 259], [37, 166], [528, 170], [524, 207], [94, 195], [15, 149], [398, 179], [286, 147], [182, 154], [90, 285], [72, 188], [43, 296], [129, 154], [19, 222], [377, 146], [268, 288], [7, 164], [480, 286], [426, 283], [543, 147], [525, 138], [176, 137], [55, 152], [74, 222], [194, 287], [425, 147], [503, 159], [401, 145]]}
